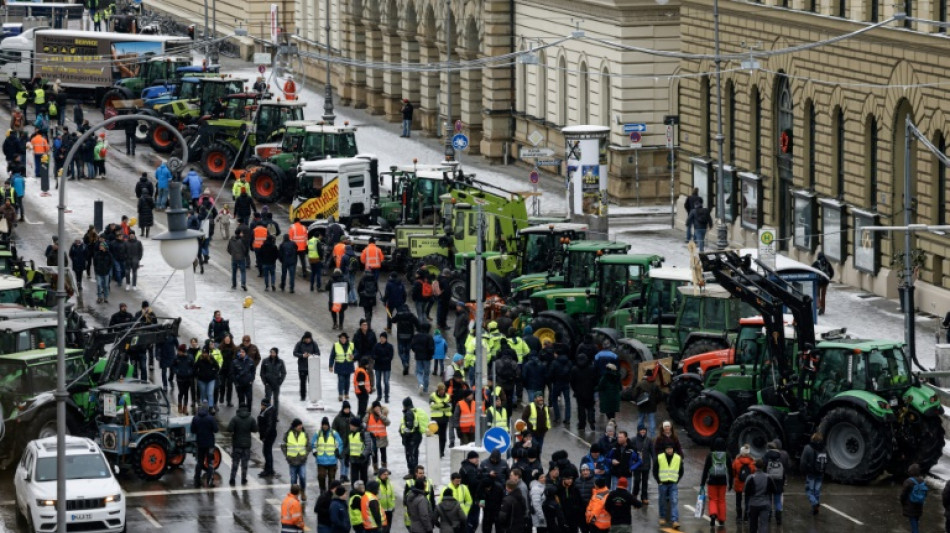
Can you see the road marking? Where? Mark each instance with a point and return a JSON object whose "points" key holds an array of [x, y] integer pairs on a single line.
{"points": [[148, 516], [843, 514]]}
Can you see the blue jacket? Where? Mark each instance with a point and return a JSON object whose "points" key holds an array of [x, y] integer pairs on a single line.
{"points": [[327, 459], [242, 370], [167, 352], [19, 184], [339, 516], [595, 464], [395, 294], [440, 346], [193, 181], [204, 426], [534, 374], [602, 359], [163, 175]]}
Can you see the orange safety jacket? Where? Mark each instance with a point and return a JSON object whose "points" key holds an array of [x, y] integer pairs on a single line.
{"points": [[291, 514], [361, 381], [372, 257], [467, 416], [40, 146], [260, 235], [375, 426], [298, 234]]}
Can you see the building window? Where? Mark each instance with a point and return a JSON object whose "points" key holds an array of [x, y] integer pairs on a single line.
{"points": [[583, 94], [562, 90], [521, 102], [909, 11], [941, 14], [730, 123], [541, 98], [842, 8], [837, 125], [756, 106], [940, 177], [870, 140], [813, 5], [873, 10], [605, 98], [810, 144], [705, 134]]}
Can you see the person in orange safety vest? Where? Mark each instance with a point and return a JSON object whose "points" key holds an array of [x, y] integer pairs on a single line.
{"points": [[372, 258], [298, 234], [291, 512]]}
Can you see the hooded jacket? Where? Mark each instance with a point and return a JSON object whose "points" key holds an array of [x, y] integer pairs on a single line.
{"points": [[204, 426], [341, 422], [273, 371], [241, 427], [583, 381], [303, 347], [452, 518]]}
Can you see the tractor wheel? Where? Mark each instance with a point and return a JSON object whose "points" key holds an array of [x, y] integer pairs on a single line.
{"points": [[858, 447], [703, 346], [151, 458], [161, 139], [458, 289], [142, 130], [265, 185], [629, 360], [43, 426], [682, 392], [752, 428], [215, 457], [920, 441], [108, 104], [547, 328], [434, 264], [176, 460], [708, 420], [216, 160]]}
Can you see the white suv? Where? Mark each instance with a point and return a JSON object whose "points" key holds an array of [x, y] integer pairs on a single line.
{"points": [[94, 499]]}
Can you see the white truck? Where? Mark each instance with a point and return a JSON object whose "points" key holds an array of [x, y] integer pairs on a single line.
{"points": [[342, 188], [87, 63]]}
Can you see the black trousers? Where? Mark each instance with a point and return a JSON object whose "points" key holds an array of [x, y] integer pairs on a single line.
{"points": [[202, 455], [244, 393], [585, 415], [641, 478], [359, 471], [224, 387], [268, 451], [412, 442], [303, 385]]}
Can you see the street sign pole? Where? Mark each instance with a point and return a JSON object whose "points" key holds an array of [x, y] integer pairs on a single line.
{"points": [[636, 167], [479, 318]]}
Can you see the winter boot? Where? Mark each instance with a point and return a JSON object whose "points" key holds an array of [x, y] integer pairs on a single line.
{"points": [[778, 517]]}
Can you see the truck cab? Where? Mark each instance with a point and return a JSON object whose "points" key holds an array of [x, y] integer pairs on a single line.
{"points": [[341, 188]]}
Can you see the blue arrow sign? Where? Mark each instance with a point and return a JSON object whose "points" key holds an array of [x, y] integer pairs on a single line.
{"points": [[459, 141], [630, 128], [496, 439]]}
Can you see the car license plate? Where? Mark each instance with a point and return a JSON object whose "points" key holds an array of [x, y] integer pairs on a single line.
{"points": [[80, 516]]}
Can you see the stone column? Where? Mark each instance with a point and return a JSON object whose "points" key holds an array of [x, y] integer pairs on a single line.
{"points": [[374, 77], [392, 79], [497, 83], [470, 92], [353, 90], [410, 80], [443, 88], [427, 112]]}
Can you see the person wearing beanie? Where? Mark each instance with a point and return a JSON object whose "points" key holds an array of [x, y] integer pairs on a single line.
{"points": [[461, 493], [538, 417], [341, 424], [184, 369], [374, 519], [647, 395], [355, 505], [743, 466], [296, 446], [717, 478], [273, 373], [267, 426], [327, 446], [383, 354], [291, 512], [667, 436], [387, 494], [609, 389], [322, 508], [357, 450], [376, 421], [643, 444], [668, 473], [339, 511], [362, 386], [440, 406], [618, 504], [341, 364], [463, 418], [303, 350], [452, 517], [413, 426]]}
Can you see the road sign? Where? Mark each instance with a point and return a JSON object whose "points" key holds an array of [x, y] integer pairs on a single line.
{"points": [[639, 127], [496, 439], [767, 247], [535, 138], [261, 69], [548, 162], [458, 126], [635, 139], [459, 141], [669, 136], [536, 152], [534, 177]]}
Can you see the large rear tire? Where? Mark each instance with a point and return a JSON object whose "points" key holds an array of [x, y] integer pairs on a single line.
{"points": [[266, 185], [858, 447], [708, 419], [752, 428], [108, 104], [216, 160], [703, 346], [919, 441], [629, 359], [151, 458], [161, 139], [547, 328], [682, 392]]}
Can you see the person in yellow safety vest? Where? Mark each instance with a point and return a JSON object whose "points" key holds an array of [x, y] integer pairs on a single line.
{"points": [[538, 417], [39, 99], [22, 98], [341, 364], [470, 355], [298, 234], [291, 512], [296, 446], [414, 422], [498, 415], [387, 495], [372, 258], [240, 185], [313, 257], [459, 491], [668, 472], [494, 339], [420, 474], [490, 391], [357, 450], [327, 446], [440, 409], [374, 520], [518, 344], [356, 506], [464, 418]]}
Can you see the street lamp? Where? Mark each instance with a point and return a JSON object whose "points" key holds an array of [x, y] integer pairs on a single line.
{"points": [[722, 237], [61, 393], [328, 115], [449, 149]]}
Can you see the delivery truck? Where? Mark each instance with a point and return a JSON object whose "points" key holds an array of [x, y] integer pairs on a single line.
{"points": [[87, 63]]}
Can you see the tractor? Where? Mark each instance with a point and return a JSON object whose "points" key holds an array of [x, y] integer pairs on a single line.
{"points": [[196, 99], [276, 177], [224, 143], [862, 395], [155, 71], [135, 428], [549, 261]]}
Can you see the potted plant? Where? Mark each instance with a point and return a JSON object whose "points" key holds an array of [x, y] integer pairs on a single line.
{"points": [[917, 260]]}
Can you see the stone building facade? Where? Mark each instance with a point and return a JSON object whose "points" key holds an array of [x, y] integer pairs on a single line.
{"points": [[816, 137]]}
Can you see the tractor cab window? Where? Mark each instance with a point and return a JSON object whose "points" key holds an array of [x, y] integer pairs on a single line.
{"points": [[715, 312], [14, 379], [291, 143], [538, 252], [581, 269], [747, 345], [617, 282], [460, 223], [662, 297], [44, 337], [149, 410], [690, 315], [188, 90], [11, 296], [887, 369], [321, 145], [832, 374]]}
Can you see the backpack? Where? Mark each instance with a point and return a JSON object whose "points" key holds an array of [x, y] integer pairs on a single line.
{"points": [[775, 470], [426, 289], [919, 493], [821, 462], [596, 514], [744, 472], [53, 111], [719, 468], [103, 151]]}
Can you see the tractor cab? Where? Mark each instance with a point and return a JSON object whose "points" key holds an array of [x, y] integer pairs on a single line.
{"points": [[213, 89], [878, 367], [164, 70], [542, 246], [414, 193], [27, 334], [274, 114], [136, 405]]}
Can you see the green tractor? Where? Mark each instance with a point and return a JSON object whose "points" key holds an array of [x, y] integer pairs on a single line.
{"points": [[273, 173], [558, 255], [225, 142], [196, 98], [154, 71], [862, 395]]}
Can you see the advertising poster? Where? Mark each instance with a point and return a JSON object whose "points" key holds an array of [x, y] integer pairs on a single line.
{"points": [[590, 189]]}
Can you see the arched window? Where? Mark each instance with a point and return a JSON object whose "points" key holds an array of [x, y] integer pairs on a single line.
{"points": [[939, 202], [755, 104], [903, 112], [541, 98], [730, 120], [583, 94], [870, 158], [605, 97], [705, 135], [837, 148], [809, 144], [562, 91]]}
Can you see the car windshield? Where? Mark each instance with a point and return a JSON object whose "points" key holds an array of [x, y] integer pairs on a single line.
{"points": [[83, 466]]}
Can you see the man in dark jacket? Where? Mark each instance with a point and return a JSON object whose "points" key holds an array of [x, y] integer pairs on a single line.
{"points": [[460, 328], [239, 255], [511, 514], [242, 374], [622, 460], [758, 495], [777, 465], [363, 341], [122, 316], [406, 323], [143, 187], [813, 462], [443, 298], [700, 220], [204, 426], [287, 254], [643, 444], [825, 267], [423, 348], [534, 375], [647, 395], [243, 206], [394, 297], [583, 383], [241, 427], [273, 373], [302, 352], [618, 504], [561, 372], [267, 425], [268, 256]]}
